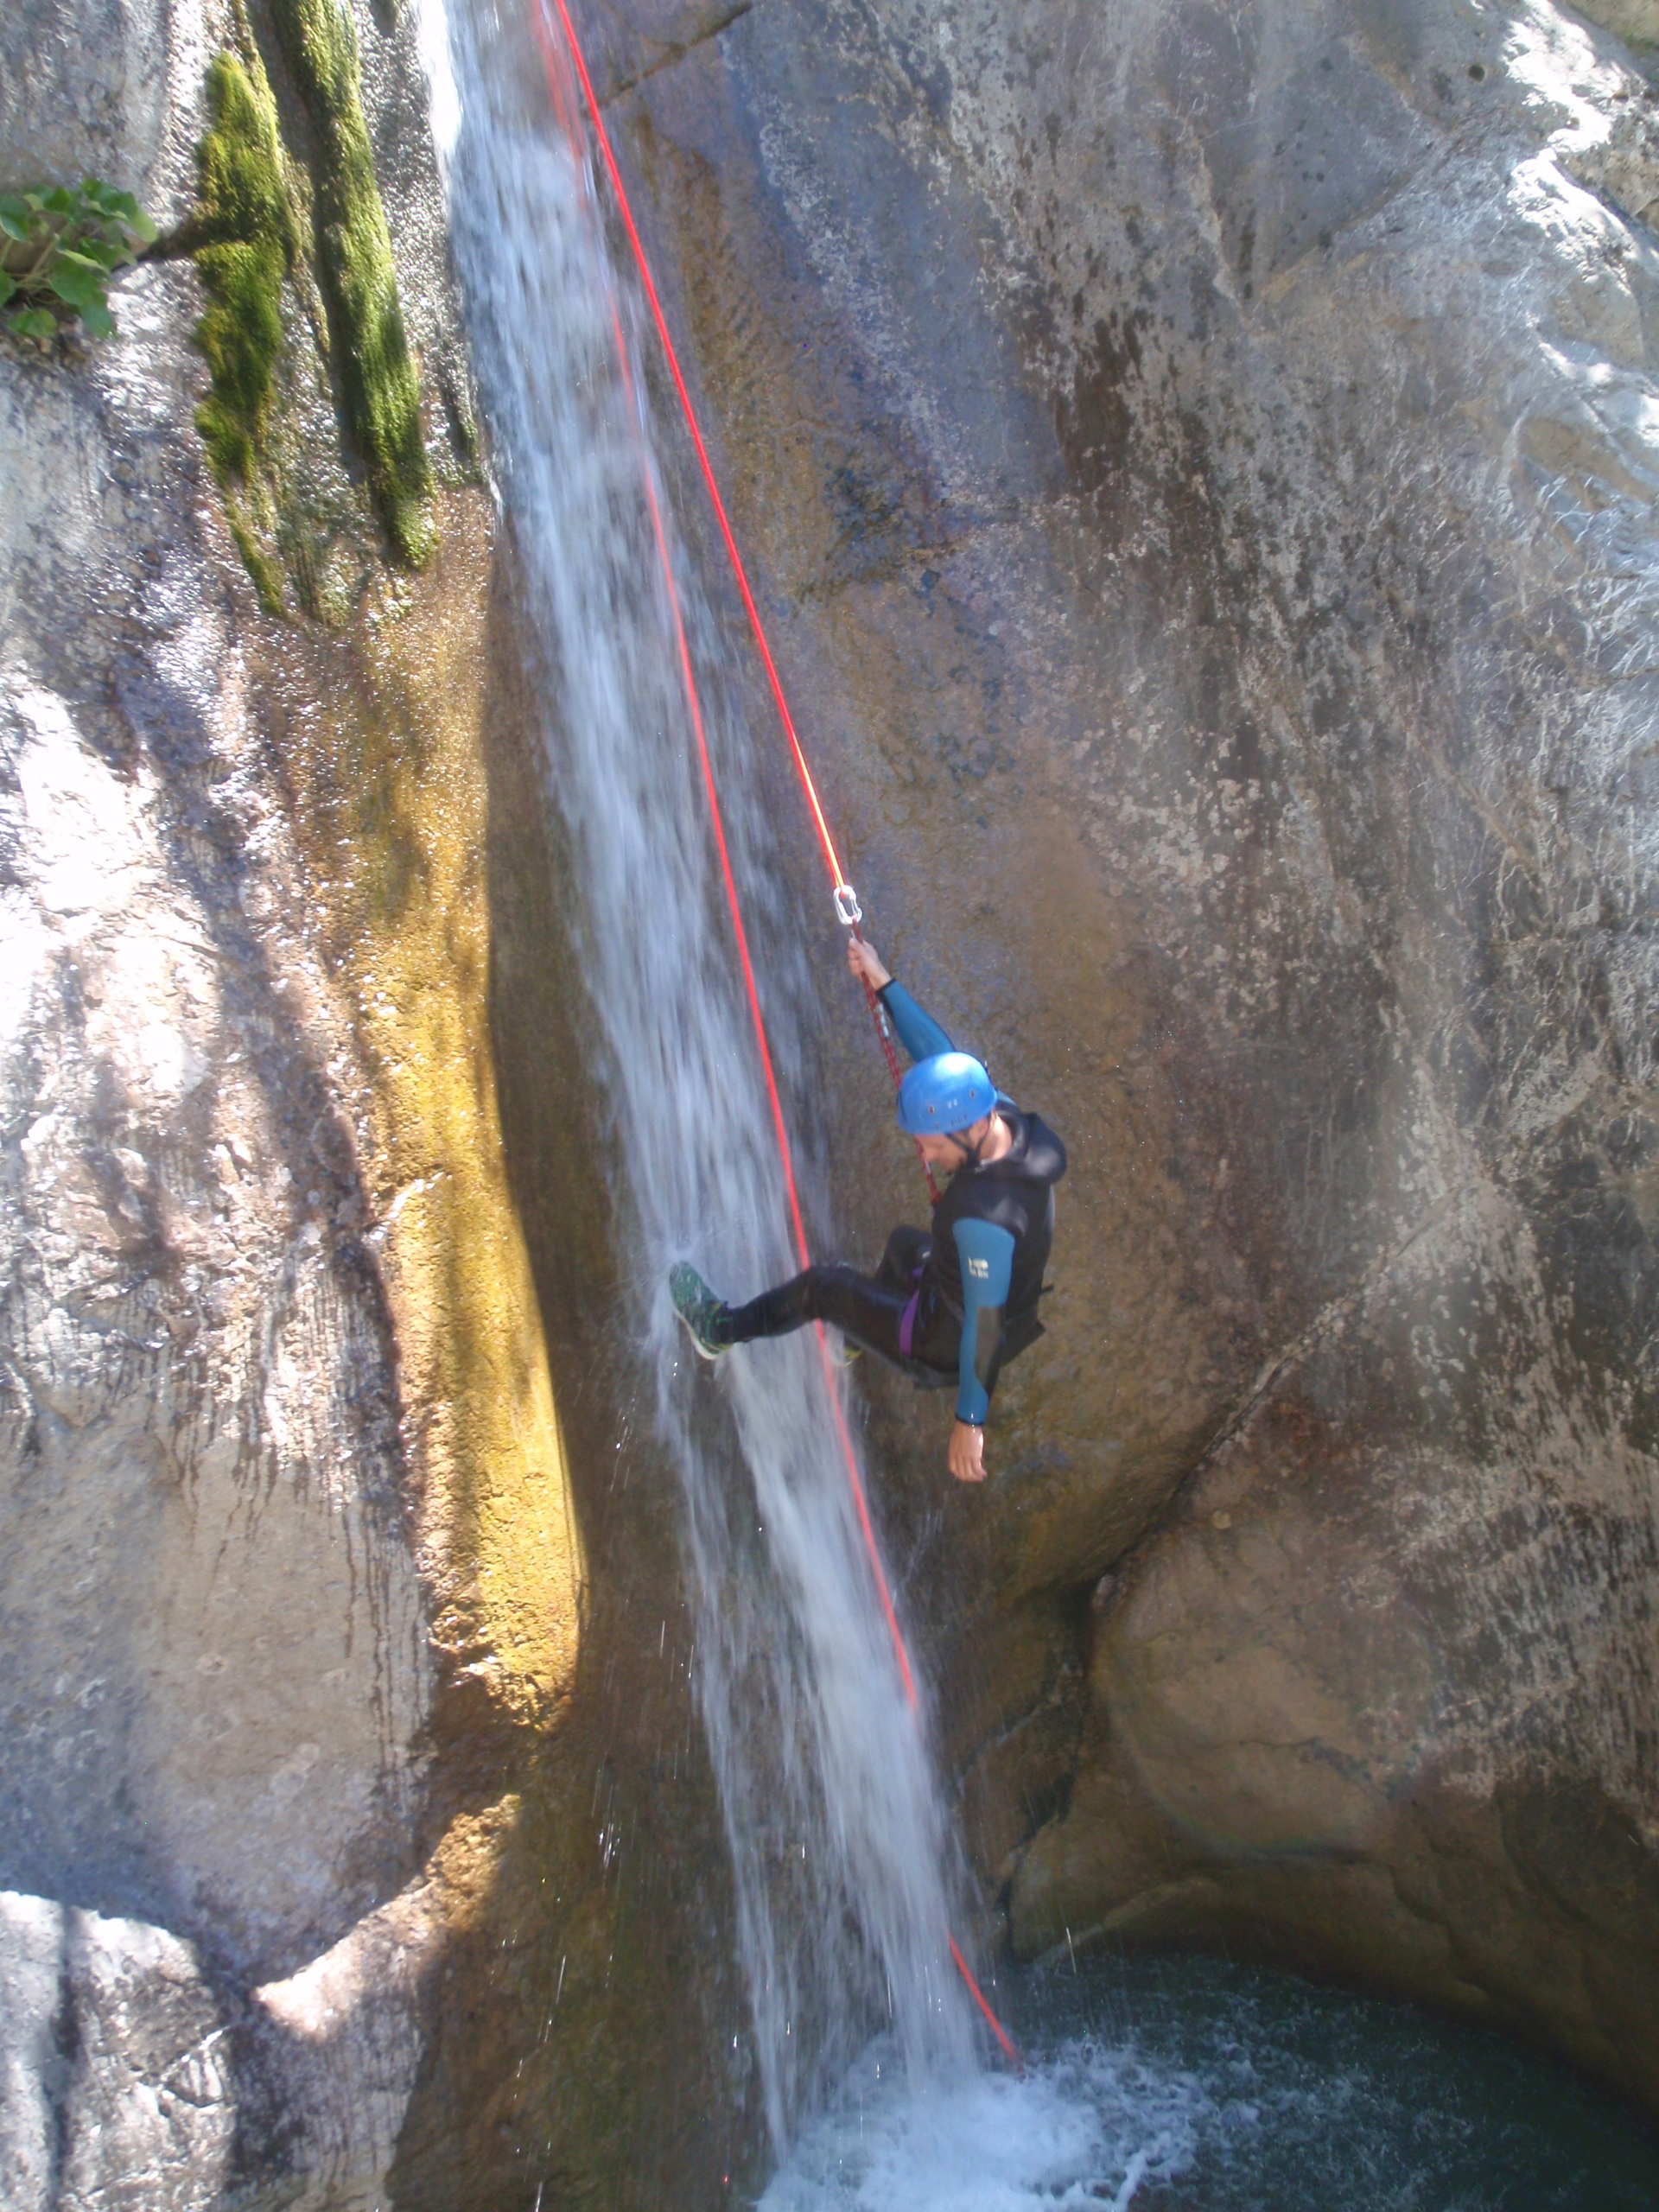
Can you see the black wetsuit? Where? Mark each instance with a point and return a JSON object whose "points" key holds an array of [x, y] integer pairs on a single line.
{"points": [[956, 1301]]}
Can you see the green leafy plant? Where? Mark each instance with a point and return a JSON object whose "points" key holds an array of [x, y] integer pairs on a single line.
{"points": [[59, 248]]}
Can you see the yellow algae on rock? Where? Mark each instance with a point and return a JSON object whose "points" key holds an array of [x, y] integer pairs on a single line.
{"points": [[383, 747]]}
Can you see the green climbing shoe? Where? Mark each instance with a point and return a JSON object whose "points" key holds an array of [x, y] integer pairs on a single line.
{"points": [[701, 1311]]}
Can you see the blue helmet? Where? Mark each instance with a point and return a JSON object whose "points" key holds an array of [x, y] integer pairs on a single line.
{"points": [[940, 1096]]}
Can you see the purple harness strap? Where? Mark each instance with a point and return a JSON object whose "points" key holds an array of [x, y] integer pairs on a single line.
{"points": [[907, 1325]]}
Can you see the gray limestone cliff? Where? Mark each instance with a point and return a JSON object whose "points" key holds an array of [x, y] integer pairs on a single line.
{"points": [[1202, 461], [293, 1562], [1201, 467]]}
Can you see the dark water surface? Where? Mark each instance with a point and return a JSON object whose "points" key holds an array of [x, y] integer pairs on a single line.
{"points": [[1318, 2100], [1187, 2085]]}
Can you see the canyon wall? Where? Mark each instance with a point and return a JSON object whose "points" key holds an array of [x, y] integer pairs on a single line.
{"points": [[1200, 464], [335, 1866]]}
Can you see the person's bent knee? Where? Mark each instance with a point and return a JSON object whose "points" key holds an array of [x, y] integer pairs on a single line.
{"points": [[832, 1289]]}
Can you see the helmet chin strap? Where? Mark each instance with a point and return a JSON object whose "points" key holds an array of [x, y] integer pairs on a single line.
{"points": [[970, 1153]]}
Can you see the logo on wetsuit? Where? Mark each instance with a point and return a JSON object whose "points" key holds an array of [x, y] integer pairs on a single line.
{"points": [[980, 1267]]}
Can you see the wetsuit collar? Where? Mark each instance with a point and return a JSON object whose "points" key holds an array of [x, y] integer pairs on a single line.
{"points": [[972, 1154]]}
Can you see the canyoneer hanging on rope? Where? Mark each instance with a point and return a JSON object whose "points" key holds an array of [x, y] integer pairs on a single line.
{"points": [[956, 1301]]}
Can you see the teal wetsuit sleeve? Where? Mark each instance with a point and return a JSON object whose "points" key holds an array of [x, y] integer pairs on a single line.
{"points": [[987, 1256], [919, 1035]]}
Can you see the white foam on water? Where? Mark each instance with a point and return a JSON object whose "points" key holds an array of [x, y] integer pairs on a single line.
{"points": [[842, 1856], [1088, 2126]]}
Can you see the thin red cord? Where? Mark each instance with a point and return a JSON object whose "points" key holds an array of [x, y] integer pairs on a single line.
{"points": [[780, 1129], [996, 2026], [605, 147], [837, 878]]}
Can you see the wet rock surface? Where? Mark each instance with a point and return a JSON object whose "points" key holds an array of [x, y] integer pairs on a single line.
{"points": [[317, 1834], [1200, 468]]}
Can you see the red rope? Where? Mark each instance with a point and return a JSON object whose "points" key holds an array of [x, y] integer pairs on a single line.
{"points": [[996, 2026], [605, 147], [695, 707], [837, 877], [779, 1128]]}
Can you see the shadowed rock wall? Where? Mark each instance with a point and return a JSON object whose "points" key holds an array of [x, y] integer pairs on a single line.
{"points": [[1200, 464]]}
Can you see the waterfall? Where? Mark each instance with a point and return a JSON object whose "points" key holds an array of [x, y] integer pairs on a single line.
{"points": [[843, 1860]]}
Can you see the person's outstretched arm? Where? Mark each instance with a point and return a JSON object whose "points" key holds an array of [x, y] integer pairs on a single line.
{"points": [[917, 1031], [986, 1253]]}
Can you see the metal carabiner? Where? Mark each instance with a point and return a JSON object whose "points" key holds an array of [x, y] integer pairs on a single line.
{"points": [[848, 912]]}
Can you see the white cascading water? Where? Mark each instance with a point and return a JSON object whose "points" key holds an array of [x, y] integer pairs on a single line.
{"points": [[839, 1844]]}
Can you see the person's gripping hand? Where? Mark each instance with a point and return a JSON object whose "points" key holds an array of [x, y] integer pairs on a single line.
{"points": [[866, 964], [967, 1451]]}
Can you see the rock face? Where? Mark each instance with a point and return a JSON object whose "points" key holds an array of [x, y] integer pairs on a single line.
{"points": [[298, 1720], [115, 2088], [216, 1662], [1202, 466], [1638, 21]]}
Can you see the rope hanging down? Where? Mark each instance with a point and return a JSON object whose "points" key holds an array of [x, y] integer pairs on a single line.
{"points": [[846, 907], [695, 707], [847, 910]]}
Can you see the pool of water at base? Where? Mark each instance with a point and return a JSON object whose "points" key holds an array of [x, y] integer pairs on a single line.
{"points": [[1189, 2085]]}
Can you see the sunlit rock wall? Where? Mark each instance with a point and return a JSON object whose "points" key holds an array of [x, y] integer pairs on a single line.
{"points": [[1200, 463], [295, 1776]]}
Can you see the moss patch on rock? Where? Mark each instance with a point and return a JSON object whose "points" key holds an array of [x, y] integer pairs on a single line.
{"points": [[289, 356], [382, 387], [246, 222]]}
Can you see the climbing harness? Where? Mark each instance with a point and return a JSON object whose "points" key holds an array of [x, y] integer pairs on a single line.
{"points": [[848, 912]]}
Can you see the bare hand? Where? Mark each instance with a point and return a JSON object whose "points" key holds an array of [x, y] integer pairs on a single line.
{"points": [[866, 964], [967, 1452]]}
